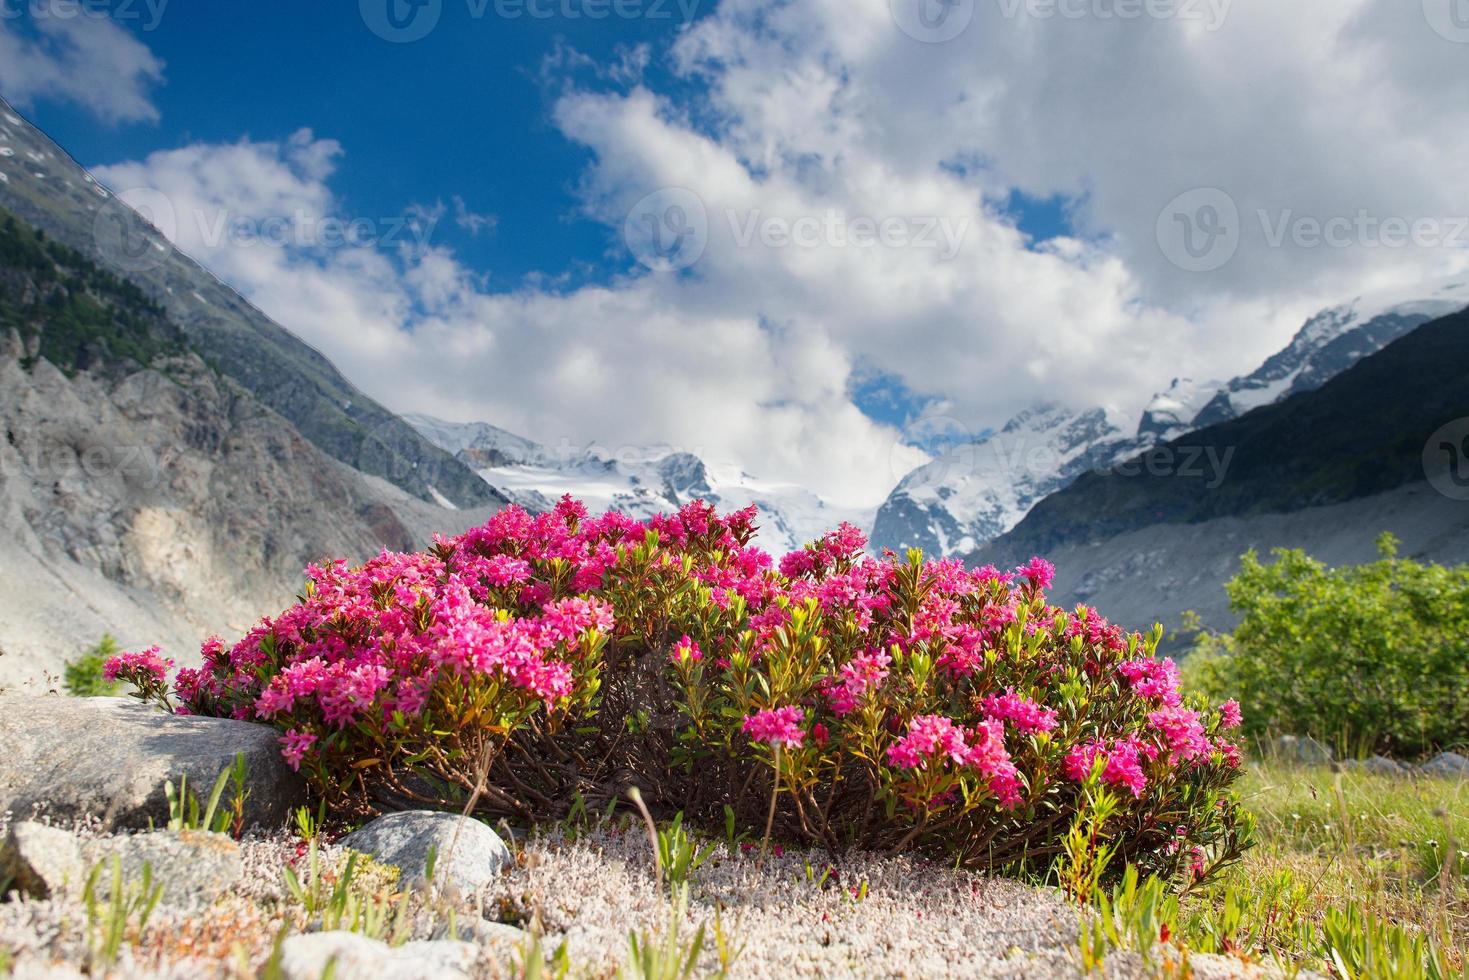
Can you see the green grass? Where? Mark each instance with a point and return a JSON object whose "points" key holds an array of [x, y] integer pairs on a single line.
{"points": [[1342, 853]]}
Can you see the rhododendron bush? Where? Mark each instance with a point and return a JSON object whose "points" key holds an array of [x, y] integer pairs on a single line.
{"points": [[883, 703]]}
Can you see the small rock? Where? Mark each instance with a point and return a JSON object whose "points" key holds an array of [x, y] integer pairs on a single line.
{"points": [[483, 933], [1377, 765], [305, 957], [1450, 765], [193, 867], [108, 758], [468, 854], [1301, 749], [41, 861]]}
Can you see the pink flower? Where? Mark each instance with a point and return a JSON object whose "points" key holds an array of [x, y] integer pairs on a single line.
{"points": [[686, 651], [1153, 680], [1026, 715], [1230, 715], [1039, 573], [1182, 733], [294, 746], [776, 725], [1122, 767], [138, 667]]}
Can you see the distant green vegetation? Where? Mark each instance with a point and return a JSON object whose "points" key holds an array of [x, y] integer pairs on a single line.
{"points": [[83, 676], [83, 315], [1372, 658]]}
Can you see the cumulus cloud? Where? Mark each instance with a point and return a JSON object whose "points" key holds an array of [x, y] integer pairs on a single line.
{"points": [[78, 57], [847, 187]]}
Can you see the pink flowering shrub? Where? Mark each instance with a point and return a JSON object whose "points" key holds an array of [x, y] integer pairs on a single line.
{"points": [[886, 703]]}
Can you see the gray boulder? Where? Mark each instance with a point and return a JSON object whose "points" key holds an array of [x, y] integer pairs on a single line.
{"points": [[193, 867], [1377, 765], [305, 957], [41, 861], [1449, 765], [108, 758], [502, 938], [468, 854], [1301, 750]]}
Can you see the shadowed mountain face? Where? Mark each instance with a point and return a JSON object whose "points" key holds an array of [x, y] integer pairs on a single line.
{"points": [[1326, 470], [43, 186]]}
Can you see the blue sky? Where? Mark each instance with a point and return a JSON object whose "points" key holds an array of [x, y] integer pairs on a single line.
{"points": [[788, 235]]}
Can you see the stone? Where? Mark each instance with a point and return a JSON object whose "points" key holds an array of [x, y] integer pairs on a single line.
{"points": [[306, 956], [1377, 765], [108, 758], [1450, 765], [194, 867], [41, 861], [468, 854], [499, 936], [1300, 749]]}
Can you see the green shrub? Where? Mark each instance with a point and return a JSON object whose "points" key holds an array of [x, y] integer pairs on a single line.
{"points": [[83, 678], [1370, 658]]}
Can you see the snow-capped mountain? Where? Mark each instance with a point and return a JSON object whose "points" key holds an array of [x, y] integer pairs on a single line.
{"points": [[640, 481], [1332, 341], [974, 492]]}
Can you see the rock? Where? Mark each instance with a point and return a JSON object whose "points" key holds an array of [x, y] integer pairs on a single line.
{"points": [[504, 939], [193, 867], [1300, 749], [41, 861], [468, 854], [108, 758], [1450, 765], [1377, 765], [305, 957]]}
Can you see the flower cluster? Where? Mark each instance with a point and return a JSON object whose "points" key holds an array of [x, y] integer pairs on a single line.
{"points": [[147, 670], [873, 701]]}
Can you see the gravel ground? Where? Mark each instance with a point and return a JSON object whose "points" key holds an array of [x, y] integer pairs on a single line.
{"points": [[791, 915]]}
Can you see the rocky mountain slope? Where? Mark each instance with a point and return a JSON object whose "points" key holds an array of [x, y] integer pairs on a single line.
{"points": [[1326, 469], [144, 492], [639, 481], [44, 186], [977, 491]]}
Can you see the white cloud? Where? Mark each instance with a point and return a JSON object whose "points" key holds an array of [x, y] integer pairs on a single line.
{"points": [[84, 58], [827, 115]]}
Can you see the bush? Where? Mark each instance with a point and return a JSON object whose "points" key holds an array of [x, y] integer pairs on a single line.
{"points": [[888, 704], [83, 677], [1371, 658]]}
